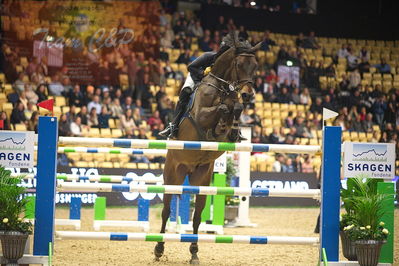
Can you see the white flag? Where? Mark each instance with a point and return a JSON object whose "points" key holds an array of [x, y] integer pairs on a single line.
{"points": [[327, 114]]}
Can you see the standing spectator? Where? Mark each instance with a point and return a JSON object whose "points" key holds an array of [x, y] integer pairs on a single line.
{"points": [[18, 114], [379, 108]]}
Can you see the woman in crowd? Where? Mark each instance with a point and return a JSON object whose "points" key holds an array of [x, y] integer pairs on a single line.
{"points": [[93, 118], [127, 121]]}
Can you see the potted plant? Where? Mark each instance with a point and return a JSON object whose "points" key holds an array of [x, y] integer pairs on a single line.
{"points": [[366, 229], [232, 202], [360, 186], [14, 229]]}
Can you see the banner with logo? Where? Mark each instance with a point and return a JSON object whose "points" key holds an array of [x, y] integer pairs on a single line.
{"points": [[16, 148], [377, 160]]}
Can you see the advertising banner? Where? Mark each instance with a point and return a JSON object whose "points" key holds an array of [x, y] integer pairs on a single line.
{"points": [[16, 148], [377, 160]]}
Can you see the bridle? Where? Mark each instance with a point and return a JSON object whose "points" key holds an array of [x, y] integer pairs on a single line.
{"points": [[232, 86]]}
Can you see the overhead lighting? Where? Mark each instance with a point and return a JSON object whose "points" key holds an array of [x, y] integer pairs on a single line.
{"points": [[253, 3], [289, 63]]}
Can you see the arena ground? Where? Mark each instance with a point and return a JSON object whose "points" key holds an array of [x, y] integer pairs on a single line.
{"points": [[271, 221]]}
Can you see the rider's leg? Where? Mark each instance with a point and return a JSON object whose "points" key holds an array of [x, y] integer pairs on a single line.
{"points": [[184, 98]]}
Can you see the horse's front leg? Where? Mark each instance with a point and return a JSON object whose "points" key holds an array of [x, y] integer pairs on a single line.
{"points": [[235, 129], [160, 247]]}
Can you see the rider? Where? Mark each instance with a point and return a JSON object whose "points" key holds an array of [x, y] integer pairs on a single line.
{"points": [[196, 73]]}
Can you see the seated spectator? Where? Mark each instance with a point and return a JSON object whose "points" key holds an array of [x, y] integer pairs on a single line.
{"points": [[127, 120], [317, 106], [242, 33], [71, 114], [22, 98], [368, 123], [84, 116], [301, 130], [64, 126], [55, 87], [267, 41], [310, 42], [29, 111], [245, 118], [288, 167], [353, 60], [354, 79], [141, 133], [137, 116], [116, 108], [38, 77], [32, 66], [154, 120], [300, 40], [204, 42], [31, 95], [364, 66], [283, 96], [327, 103], [306, 165], [305, 97], [5, 121], [269, 94], [18, 114], [33, 122], [256, 118], [93, 118], [289, 120], [378, 109], [128, 104], [75, 97], [19, 84], [95, 104], [364, 55], [257, 135], [383, 67], [278, 163], [41, 93], [272, 76], [128, 134], [274, 136], [76, 127], [356, 124], [295, 97], [155, 131], [196, 30], [342, 52], [103, 118]]}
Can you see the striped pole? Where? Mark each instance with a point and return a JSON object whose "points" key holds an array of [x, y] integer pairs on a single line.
{"points": [[189, 145], [190, 238], [198, 190], [99, 178], [147, 152]]}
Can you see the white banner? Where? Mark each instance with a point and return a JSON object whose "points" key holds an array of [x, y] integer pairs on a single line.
{"points": [[377, 160], [16, 149], [220, 165]]}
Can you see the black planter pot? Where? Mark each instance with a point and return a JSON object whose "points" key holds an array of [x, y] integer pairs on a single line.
{"points": [[348, 247], [230, 212], [368, 252], [13, 246]]}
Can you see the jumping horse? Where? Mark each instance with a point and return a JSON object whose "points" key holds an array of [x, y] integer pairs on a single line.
{"points": [[214, 116]]}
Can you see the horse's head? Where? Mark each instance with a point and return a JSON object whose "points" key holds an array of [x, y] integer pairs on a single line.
{"points": [[237, 66], [244, 69]]}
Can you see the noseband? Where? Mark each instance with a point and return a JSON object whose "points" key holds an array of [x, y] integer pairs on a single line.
{"points": [[232, 86]]}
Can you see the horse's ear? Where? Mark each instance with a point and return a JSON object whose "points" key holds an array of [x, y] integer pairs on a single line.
{"points": [[256, 47]]}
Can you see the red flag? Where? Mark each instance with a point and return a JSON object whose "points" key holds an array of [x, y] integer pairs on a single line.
{"points": [[47, 104], [1, 124]]}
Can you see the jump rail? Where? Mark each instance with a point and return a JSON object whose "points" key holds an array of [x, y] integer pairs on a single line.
{"points": [[198, 190], [189, 145], [99, 178], [190, 238], [149, 152]]}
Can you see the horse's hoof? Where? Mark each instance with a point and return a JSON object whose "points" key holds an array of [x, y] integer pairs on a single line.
{"points": [[158, 251], [195, 261]]}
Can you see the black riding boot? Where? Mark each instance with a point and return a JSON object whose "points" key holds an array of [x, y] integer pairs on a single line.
{"points": [[181, 106]]}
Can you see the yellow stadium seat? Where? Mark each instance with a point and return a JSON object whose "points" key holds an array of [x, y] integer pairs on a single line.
{"points": [[94, 132], [20, 127], [106, 133]]}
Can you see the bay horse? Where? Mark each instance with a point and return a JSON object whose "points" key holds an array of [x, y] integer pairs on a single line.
{"points": [[214, 116]]}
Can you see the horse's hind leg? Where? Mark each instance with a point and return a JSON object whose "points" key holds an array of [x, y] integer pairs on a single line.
{"points": [[171, 177], [200, 177]]}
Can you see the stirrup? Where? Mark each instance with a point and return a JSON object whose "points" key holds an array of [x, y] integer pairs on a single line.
{"points": [[166, 132], [240, 136]]}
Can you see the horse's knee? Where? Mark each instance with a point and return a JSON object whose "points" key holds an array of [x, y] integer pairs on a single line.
{"points": [[194, 248], [238, 108]]}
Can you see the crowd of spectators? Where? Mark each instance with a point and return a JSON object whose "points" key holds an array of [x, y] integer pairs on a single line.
{"points": [[143, 112]]}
